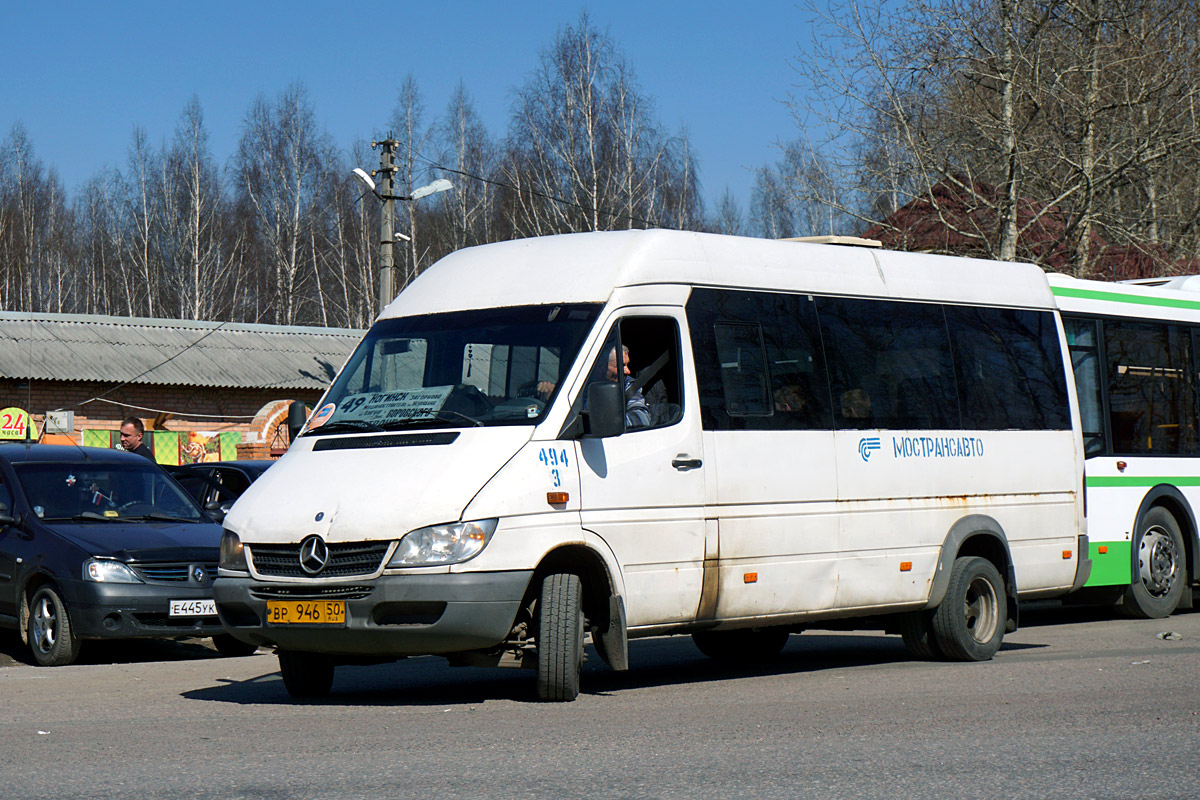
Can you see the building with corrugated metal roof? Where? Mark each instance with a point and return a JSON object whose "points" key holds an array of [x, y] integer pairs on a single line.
{"points": [[201, 388]]}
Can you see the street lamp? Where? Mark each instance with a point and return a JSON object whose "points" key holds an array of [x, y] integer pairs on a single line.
{"points": [[387, 233]]}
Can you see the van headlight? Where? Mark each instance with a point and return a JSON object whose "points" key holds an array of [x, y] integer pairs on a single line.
{"points": [[101, 570], [233, 556], [443, 544]]}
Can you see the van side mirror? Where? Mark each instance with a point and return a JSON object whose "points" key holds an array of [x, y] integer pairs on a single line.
{"points": [[218, 510], [6, 517], [296, 419], [605, 410]]}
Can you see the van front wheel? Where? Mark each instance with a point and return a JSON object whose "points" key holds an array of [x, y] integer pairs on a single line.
{"points": [[969, 623], [560, 637]]}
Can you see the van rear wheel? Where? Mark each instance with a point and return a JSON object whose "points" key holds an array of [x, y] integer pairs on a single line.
{"points": [[916, 629], [560, 637], [306, 675], [969, 623]]}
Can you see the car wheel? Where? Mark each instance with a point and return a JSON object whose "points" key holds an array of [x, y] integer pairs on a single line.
{"points": [[232, 646], [306, 675], [916, 629], [49, 630], [969, 623], [560, 637], [1159, 575]]}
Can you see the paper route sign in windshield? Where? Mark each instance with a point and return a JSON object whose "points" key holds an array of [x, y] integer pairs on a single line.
{"points": [[381, 407]]}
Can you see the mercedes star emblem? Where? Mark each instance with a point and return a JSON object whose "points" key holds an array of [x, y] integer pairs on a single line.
{"points": [[314, 554]]}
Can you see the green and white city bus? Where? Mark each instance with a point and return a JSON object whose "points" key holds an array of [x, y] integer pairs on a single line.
{"points": [[1133, 347]]}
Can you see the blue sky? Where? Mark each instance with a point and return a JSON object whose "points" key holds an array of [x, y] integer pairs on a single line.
{"points": [[81, 75]]}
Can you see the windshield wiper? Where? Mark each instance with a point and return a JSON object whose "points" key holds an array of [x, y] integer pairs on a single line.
{"points": [[470, 419], [164, 516], [88, 515], [346, 425]]}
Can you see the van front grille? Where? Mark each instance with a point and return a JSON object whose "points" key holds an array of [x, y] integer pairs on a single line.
{"points": [[346, 559]]}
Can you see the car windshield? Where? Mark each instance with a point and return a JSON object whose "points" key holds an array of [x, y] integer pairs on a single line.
{"points": [[485, 367], [105, 492]]}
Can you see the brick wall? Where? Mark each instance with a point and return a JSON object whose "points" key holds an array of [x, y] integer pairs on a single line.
{"points": [[216, 410]]}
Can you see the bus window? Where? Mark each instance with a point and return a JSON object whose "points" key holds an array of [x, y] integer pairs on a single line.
{"points": [[1150, 395]]}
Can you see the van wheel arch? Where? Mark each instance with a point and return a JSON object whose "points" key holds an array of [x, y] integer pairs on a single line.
{"points": [[603, 608], [982, 536]]}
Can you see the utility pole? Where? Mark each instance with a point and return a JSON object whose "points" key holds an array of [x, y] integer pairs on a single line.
{"points": [[387, 221]]}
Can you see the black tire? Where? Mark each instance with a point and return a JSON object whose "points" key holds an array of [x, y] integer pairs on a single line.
{"points": [[969, 623], [233, 647], [560, 637], [1159, 571], [743, 645], [306, 675], [51, 639], [916, 629]]}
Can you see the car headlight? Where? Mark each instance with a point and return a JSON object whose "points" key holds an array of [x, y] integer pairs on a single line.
{"points": [[443, 544], [104, 571], [232, 554]]}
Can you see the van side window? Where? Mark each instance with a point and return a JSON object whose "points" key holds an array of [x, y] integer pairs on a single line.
{"points": [[654, 384], [889, 363], [1010, 369], [742, 357], [785, 387]]}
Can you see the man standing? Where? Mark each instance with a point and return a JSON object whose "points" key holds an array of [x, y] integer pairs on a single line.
{"points": [[132, 431]]}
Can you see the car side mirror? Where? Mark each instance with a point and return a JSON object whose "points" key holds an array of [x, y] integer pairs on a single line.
{"points": [[217, 510], [296, 419], [605, 410], [6, 517]]}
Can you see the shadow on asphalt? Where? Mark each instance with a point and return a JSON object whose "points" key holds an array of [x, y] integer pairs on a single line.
{"points": [[127, 651], [666, 661]]}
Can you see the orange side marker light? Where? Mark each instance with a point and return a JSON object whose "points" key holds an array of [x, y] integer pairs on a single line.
{"points": [[1102, 549], [750, 577], [1066, 555], [906, 566], [557, 498]]}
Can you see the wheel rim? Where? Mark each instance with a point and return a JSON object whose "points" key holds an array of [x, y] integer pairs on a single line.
{"points": [[1157, 561], [45, 624], [980, 610]]}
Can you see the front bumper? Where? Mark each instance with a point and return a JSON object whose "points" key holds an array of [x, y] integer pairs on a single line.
{"points": [[394, 615], [133, 610]]}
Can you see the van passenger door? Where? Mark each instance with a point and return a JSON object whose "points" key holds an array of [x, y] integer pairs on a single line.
{"points": [[643, 491]]}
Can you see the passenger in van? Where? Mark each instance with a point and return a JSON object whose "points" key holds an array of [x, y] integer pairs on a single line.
{"points": [[856, 408], [790, 398]]}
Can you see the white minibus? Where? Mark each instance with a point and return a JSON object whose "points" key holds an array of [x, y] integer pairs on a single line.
{"points": [[638, 433]]}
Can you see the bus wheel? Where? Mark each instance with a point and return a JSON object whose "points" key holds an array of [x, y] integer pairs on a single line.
{"points": [[560, 637], [49, 629], [746, 645], [306, 674], [969, 624], [916, 628], [1159, 572]]}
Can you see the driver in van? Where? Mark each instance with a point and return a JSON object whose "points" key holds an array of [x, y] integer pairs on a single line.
{"points": [[637, 413]]}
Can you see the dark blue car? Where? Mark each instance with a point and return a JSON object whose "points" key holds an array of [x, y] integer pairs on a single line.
{"points": [[102, 544]]}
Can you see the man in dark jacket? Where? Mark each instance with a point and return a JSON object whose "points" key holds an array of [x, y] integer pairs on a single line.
{"points": [[132, 431]]}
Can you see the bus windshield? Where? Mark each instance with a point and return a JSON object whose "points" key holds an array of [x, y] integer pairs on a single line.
{"points": [[499, 366]]}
